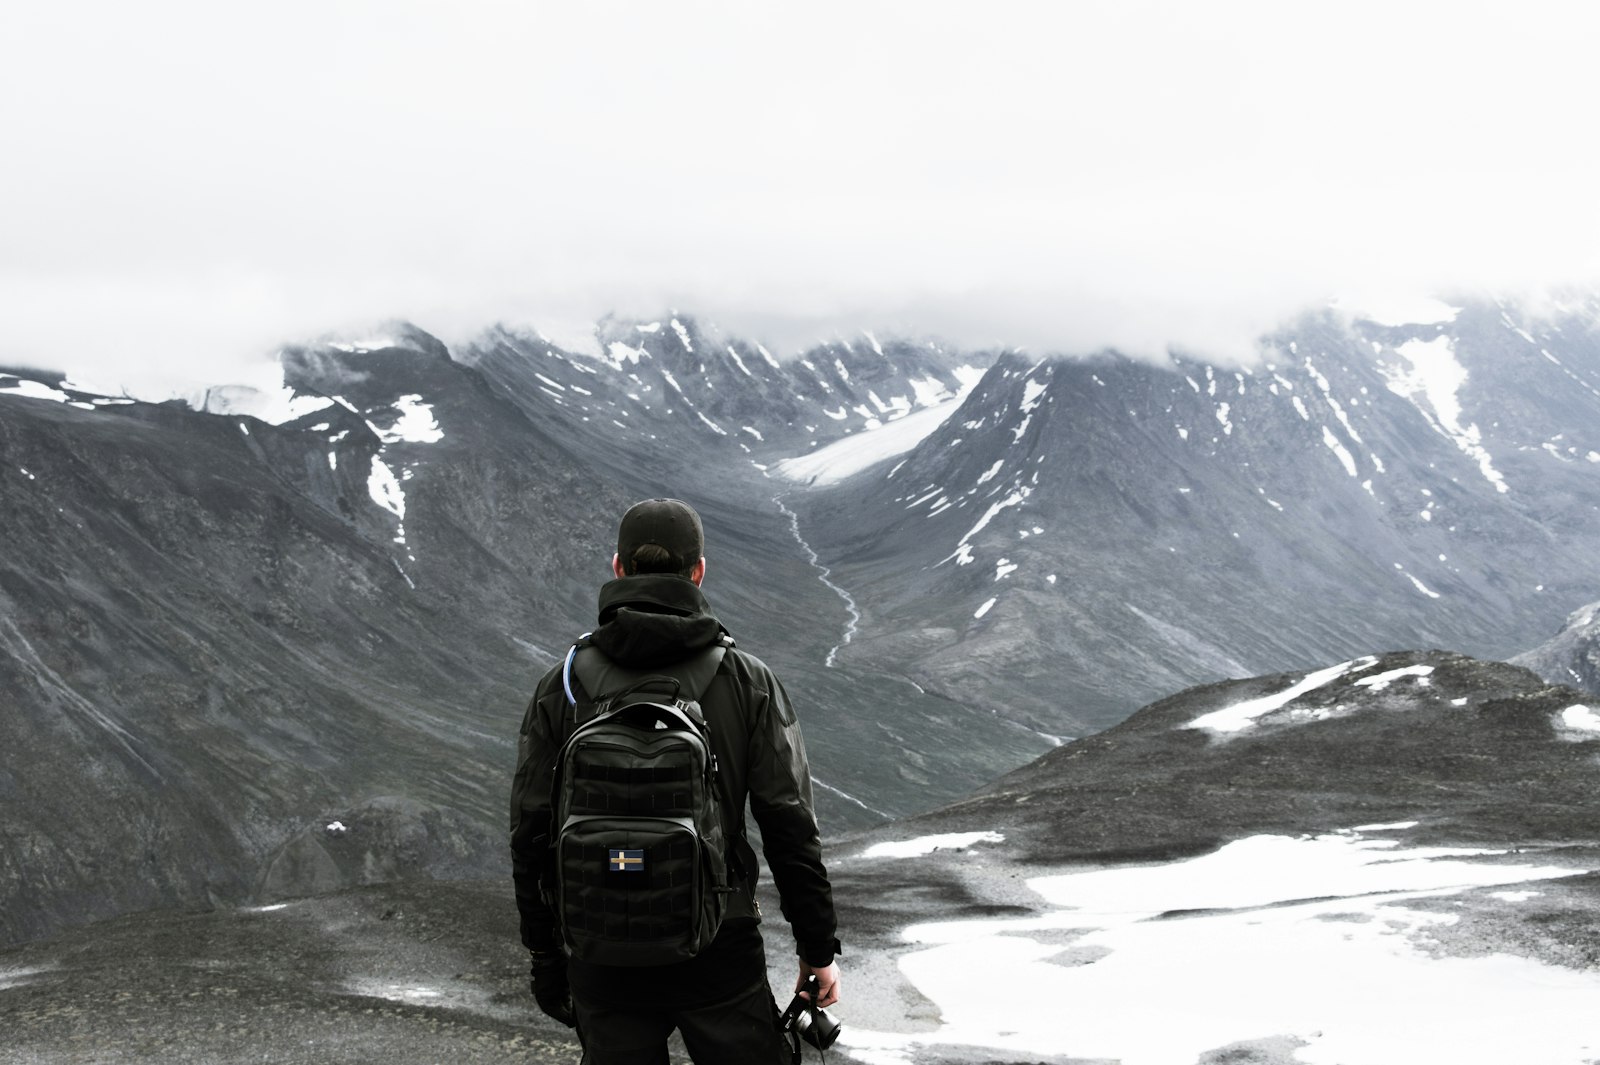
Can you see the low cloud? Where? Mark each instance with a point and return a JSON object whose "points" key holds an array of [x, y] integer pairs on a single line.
{"points": [[1064, 178]]}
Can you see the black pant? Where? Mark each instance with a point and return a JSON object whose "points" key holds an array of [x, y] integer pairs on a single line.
{"points": [[742, 1030]]}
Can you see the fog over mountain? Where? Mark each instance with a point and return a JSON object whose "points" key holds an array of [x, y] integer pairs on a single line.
{"points": [[273, 644]]}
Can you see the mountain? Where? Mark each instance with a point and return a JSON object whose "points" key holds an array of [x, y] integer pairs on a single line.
{"points": [[1572, 656], [1085, 535], [249, 659], [269, 644], [1383, 861]]}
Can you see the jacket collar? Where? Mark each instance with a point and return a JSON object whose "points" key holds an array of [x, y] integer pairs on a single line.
{"points": [[665, 593], [653, 620]]}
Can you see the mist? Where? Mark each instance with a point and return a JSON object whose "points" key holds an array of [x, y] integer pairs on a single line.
{"points": [[197, 187]]}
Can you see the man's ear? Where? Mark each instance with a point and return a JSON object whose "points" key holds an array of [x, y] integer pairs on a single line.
{"points": [[616, 566], [698, 573]]}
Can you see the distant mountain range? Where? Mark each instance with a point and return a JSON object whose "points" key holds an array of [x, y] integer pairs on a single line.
{"points": [[234, 623]]}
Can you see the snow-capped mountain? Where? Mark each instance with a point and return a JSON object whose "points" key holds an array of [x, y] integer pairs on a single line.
{"points": [[282, 643], [237, 622], [1087, 533]]}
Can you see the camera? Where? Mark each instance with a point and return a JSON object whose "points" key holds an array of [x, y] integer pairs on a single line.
{"points": [[811, 1023]]}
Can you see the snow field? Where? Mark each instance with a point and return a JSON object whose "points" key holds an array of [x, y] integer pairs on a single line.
{"points": [[1241, 957]]}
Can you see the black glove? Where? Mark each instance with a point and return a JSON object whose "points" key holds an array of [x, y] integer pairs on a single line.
{"points": [[547, 977]]}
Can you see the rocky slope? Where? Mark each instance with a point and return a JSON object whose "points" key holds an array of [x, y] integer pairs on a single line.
{"points": [[1572, 656]]}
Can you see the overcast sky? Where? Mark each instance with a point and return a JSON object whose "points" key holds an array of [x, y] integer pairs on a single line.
{"points": [[186, 186]]}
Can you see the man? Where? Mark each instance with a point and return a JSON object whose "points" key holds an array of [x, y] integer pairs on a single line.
{"points": [[654, 619]]}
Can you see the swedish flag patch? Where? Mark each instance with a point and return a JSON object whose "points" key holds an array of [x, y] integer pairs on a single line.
{"points": [[626, 861]]}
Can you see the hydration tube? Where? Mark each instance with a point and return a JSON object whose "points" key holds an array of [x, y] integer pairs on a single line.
{"points": [[566, 669]]}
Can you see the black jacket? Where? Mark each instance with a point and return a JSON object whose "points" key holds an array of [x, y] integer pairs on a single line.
{"points": [[652, 622]]}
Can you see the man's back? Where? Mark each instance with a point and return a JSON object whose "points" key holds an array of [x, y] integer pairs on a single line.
{"points": [[659, 623]]}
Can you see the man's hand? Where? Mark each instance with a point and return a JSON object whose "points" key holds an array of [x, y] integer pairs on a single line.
{"points": [[827, 982], [547, 977]]}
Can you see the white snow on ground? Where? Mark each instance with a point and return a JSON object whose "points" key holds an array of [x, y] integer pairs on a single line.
{"points": [[1423, 588], [1432, 385], [1333, 444], [274, 406], [683, 335], [988, 604], [621, 353], [1222, 418], [15, 386], [1240, 716], [1580, 718], [930, 391], [385, 490], [1031, 391], [851, 455], [916, 848], [415, 424], [1004, 568], [1380, 681], [719, 430], [1016, 498], [1347, 976]]}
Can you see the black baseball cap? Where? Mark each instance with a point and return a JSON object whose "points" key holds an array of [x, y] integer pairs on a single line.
{"points": [[668, 523]]}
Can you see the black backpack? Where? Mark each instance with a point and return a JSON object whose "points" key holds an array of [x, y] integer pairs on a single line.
{"points": [[639, 857]]}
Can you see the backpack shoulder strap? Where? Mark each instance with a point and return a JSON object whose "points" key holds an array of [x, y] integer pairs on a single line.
{"points": [[598, 677]]}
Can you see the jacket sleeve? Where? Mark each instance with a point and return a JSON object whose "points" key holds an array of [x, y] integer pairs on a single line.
{"points": [[537, 746], [779, 783]]}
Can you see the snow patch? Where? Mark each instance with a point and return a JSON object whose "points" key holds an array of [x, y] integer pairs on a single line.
{"points": [[1240, 716], [916, 848], [1309, 911], [384, 488], [988, 604], [30, 389], [1382, 680], [1345, 458], [683, 335], [1432, 384], [1580, 718], [849, 456], [415, 425]]}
